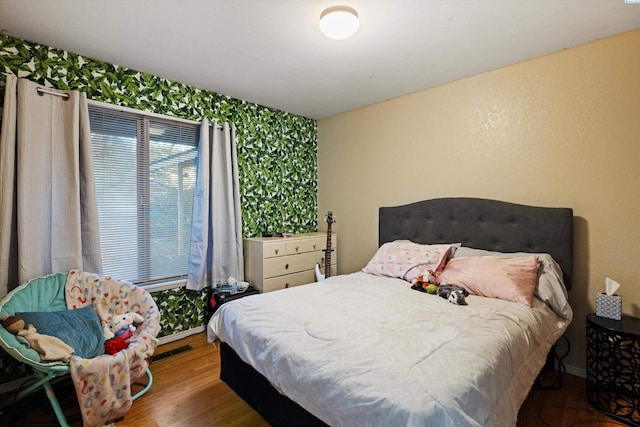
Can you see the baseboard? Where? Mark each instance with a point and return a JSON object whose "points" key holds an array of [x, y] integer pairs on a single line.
{"points": [[182, 334], [578, 372]]}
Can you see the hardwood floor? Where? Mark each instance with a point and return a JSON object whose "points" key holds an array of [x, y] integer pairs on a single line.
{"points": [[567, 406], [186, 391]]}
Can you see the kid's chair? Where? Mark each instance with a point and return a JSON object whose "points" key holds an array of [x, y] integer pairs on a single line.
{"points": [[47, 295]]}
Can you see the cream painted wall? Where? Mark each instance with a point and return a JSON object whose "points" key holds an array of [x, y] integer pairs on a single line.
{"points": [[560, 130]]}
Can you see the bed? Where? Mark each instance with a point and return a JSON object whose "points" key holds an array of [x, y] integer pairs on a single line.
{"points": [[367, 349]]}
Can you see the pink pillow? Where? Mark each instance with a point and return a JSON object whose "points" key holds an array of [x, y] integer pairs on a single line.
{"points": [[507, 278], [407, 260]]}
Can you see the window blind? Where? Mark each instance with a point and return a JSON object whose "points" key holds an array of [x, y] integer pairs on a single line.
{"points": [[145, 174]]}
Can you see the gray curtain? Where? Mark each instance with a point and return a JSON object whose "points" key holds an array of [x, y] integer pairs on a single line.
{"points": [[216, 228], [48, 212]]}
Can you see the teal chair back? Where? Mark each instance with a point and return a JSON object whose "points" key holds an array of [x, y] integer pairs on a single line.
{"points": [[40, 294]]}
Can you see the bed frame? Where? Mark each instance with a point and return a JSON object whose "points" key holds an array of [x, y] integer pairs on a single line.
{"points": [[478, 223], [484, 224]]}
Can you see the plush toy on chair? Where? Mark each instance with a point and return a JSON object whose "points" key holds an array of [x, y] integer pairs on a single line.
{"points": [[50, 348], [120, 329], [114, 345], [121, 325]]}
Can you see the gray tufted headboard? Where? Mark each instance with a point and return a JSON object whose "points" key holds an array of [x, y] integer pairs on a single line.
{"points": [[484, 224]]}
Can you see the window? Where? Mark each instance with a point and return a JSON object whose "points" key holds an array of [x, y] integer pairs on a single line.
{"points": [[145, 175]]}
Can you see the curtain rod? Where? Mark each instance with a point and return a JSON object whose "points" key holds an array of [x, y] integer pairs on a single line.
{"points": [[106, 105], [42, 90], [142, 112]]}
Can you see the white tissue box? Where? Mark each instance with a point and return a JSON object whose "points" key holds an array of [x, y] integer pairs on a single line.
{"points": [[609, 306]]}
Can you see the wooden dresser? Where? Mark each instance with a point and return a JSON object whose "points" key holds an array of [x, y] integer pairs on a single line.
{"points": [[272, 263]]}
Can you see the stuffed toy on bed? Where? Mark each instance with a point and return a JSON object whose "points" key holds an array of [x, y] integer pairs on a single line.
{"points": [[426, 283], [453, 293]]}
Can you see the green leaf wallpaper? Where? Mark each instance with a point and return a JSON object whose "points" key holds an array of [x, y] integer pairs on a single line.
{"points": [[277, 151]]}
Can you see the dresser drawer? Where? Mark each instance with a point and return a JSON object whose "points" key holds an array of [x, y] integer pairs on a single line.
{"points": [[283, 265], [317, 257], [283, 282], [305, 245], [274, 249]]}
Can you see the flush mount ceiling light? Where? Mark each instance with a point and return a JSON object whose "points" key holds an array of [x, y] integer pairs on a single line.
{"points": [[339, 22]]}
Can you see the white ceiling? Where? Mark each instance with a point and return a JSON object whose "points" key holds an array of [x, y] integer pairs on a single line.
{"points": [[271, 52]]}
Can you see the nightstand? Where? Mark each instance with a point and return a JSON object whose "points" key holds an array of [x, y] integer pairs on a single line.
{"points": [[220, 297], [613, 366]]}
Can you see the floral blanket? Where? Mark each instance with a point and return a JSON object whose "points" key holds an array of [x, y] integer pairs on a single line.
{"points": [[103, 384]]}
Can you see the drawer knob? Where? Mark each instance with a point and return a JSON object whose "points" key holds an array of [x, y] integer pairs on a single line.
{"points": [[286, 266], [286, 285], [297, 248], [314, 246], [276, 251]]}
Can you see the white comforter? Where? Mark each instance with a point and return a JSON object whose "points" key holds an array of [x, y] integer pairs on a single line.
{"points": [[360, 350]]}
